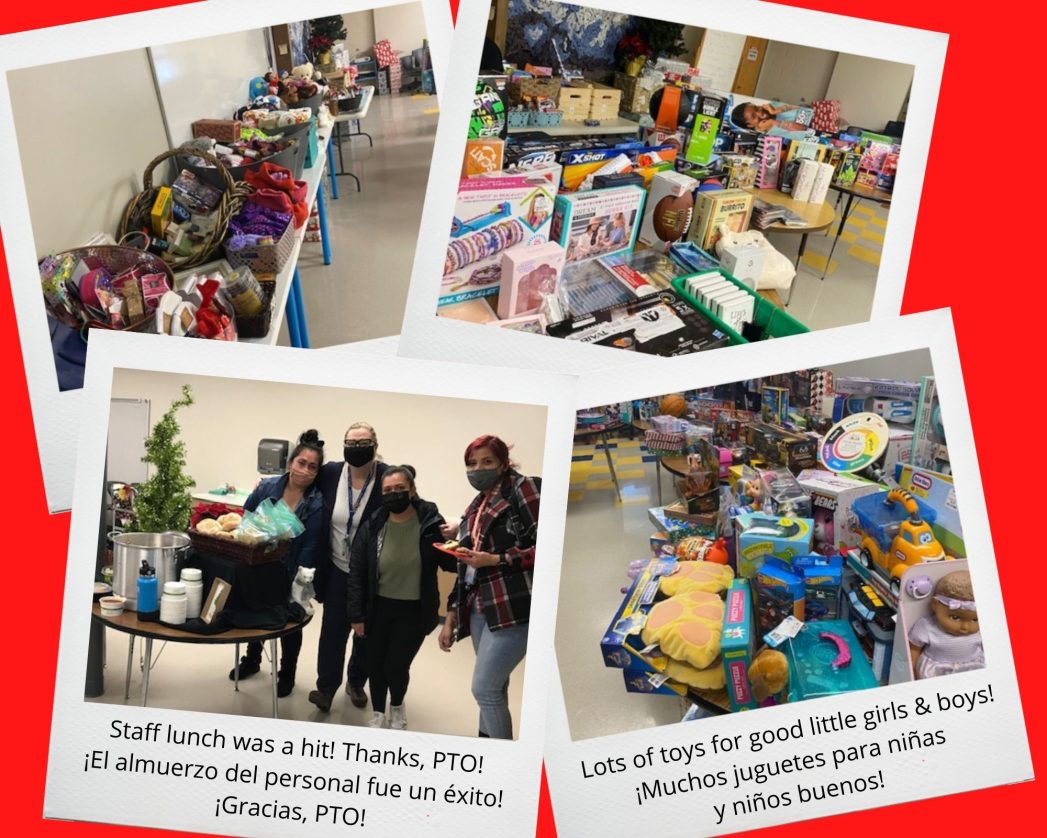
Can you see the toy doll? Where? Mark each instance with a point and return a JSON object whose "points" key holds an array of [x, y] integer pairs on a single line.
{"points": [[948, 639]]}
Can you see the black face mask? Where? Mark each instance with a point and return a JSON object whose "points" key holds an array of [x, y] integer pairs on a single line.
{"points": [[359, 456], [396, 501]]}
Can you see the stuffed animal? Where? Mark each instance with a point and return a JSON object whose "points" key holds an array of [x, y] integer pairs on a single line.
{"points": [[687, 627], [697, 576], [302, 590], [768, 675], [303, 71]]}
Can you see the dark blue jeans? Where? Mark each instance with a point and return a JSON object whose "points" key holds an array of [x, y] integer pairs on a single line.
{"points": [[334, 639]]}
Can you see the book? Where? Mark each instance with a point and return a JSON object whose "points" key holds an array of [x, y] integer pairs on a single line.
{"points": [[732, 207]]}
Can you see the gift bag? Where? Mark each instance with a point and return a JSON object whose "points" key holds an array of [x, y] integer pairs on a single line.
{"points": [[826, 115], [273, 178]]}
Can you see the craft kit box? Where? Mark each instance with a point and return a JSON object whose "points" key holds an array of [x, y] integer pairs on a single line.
{"points": [[761, 536], [600, 223], [737, 644], [493, 214], [528, 273], [831, 498]]}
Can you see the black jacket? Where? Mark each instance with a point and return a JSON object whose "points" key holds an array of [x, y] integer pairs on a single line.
{"points": [[327, 481], [363, 565]]}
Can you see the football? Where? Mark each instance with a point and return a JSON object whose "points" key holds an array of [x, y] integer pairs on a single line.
{"points": [[671, 217]]}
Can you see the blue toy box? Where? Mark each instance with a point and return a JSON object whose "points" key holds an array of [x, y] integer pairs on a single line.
{"points": [[760, 536], [779, 594], [825, 658], [822, 583], [621, 643]]}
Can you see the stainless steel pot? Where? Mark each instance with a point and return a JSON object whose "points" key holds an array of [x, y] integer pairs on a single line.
{"points": [[162, 550]]}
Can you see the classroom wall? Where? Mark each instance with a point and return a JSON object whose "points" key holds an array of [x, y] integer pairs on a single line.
{"points": [[222, 429], [795, 74], [905, 366], [78, 183], [871, 92], [359, 29], [403, 26]]}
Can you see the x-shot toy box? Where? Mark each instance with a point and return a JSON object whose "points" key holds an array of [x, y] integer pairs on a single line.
{"points": [[738, 644], [621, 644], [761, 536]]}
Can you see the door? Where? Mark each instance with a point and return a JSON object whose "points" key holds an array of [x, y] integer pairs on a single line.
{"points": [[753, 52]]}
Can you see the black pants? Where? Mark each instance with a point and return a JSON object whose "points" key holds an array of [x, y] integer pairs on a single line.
{"points": [[290, 646], [394, 636], [334, 637]]}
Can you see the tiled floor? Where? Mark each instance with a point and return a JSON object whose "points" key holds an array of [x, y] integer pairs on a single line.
{"points": [[362, 293], [601, 538], [846, 294], [195, 677]]}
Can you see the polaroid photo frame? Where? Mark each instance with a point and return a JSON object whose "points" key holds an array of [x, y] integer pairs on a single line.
{"points": [[677, 774], [425, 335], [500, 779], [55, 412]]}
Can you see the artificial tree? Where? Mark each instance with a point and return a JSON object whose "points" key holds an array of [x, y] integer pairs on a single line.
{"points": [[665, 39], [163, 502], [323, 32]]}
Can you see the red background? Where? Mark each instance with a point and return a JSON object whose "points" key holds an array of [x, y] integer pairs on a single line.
{"points": [[972, 205]]}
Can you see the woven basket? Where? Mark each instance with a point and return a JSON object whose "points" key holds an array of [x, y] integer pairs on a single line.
{"points": [[115, 259], [136, 213], [250, 554]]}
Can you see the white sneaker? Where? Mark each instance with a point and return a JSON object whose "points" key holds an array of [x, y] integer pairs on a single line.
{"points": [[397, 717], [377, 720]]}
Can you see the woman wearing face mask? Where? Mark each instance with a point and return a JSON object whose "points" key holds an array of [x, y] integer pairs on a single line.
{"points": [[351, 496], [491, 601], [297, 488], [393, 597]]}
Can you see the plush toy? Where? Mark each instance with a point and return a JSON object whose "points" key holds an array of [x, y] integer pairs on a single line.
{"points": [[696, 576], [949, 639], [687, 627], [712, 677], [272, 83], [303, 71], [302, 590], [768, 676]]}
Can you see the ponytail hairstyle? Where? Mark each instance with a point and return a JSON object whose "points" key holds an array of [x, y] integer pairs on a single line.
{"points": [[309, 441], [406, 471]]}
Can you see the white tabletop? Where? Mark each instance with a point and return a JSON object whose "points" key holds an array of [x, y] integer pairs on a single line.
{"points": [[606, 126], [366, 95], [312, 177], [233, 499]]}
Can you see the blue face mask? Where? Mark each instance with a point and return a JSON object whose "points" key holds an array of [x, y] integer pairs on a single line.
{"points": [[483, 479]]}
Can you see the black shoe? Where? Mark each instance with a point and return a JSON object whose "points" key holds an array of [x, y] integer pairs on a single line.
{"points": [[320, 699], [248, 667], [356, 695], [284, 684]]}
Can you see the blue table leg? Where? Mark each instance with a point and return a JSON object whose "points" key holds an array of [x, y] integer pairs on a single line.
{"points": [[321, 211], [330, 169], [303, 325], [291, 310]]}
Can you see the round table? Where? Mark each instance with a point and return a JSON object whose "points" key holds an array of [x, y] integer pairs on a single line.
{"points": [[581, 435], [129, 624]]}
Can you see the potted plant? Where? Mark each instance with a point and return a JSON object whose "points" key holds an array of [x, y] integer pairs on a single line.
{"points": [[323, 32], [632, 53]]}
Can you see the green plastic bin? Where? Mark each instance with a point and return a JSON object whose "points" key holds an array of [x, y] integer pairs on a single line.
{"points": [[767, 317]]}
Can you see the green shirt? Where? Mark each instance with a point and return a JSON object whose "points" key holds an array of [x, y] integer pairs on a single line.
{"points": [[399, 565]]}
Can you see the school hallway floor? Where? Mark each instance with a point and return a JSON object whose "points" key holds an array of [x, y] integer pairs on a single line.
{"points": [[373, 233], [196, 677], [845, 296], [602, 536]]}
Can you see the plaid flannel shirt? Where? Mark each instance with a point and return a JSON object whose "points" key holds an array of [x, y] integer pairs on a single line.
{"points": [[509, 525]]}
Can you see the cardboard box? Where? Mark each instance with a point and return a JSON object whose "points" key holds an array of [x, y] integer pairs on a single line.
{"points": [[732, 207], [483, 156], [676, 530], [782, 495], [744, 262], [884, 387], [937, 491], [822, 585], [778, 446], [528, 273], [831, 498], [738, 645], [621, 644], [761, 536], [929, 448], [774, 404], [636, 98], [899, 446], [592, 224], [524, 201], [779, 594], [670, 207]]}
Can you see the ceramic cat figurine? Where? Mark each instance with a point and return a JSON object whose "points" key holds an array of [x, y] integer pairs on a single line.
{"points": [[302, 590]]}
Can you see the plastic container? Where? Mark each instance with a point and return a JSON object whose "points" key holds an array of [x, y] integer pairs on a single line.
{"points": [[173, 604], [192, 578], [111, 606], [288, 158], [768, 320]]}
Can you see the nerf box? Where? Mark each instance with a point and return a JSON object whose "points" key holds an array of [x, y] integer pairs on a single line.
{"points": [[822, 584], [582, 165], [938, 492], [600, 223], [738, 644], [831, 498], [760, 536], [621, 644], [493, 214], [779, 594]]}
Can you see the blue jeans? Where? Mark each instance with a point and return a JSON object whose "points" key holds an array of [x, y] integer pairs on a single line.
{"points": [[497, 655]]}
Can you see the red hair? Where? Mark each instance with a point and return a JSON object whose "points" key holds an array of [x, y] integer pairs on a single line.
{"points": [[497, 446]]}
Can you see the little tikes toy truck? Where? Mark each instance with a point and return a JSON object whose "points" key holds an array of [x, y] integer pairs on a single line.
{"points": [[895, 530]]}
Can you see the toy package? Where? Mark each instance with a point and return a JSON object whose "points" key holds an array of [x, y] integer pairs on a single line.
{"points": [[490, 106], [600, 223], [774, 404], [483, 156], [825, 658], [528, 274], [670, 206], [642, 272], [779, 594], [938, 492], [732, 207], [831, 498], [929, 449], [493, 214], [777, 446], [737, 645], [761, 536], [782, 495], [581, 166], [822, 582]]}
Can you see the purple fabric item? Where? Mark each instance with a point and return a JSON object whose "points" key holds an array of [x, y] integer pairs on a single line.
{"points": [[254, 223]]}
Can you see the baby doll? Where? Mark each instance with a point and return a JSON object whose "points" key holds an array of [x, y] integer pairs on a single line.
{"points": [[948, 640]]}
